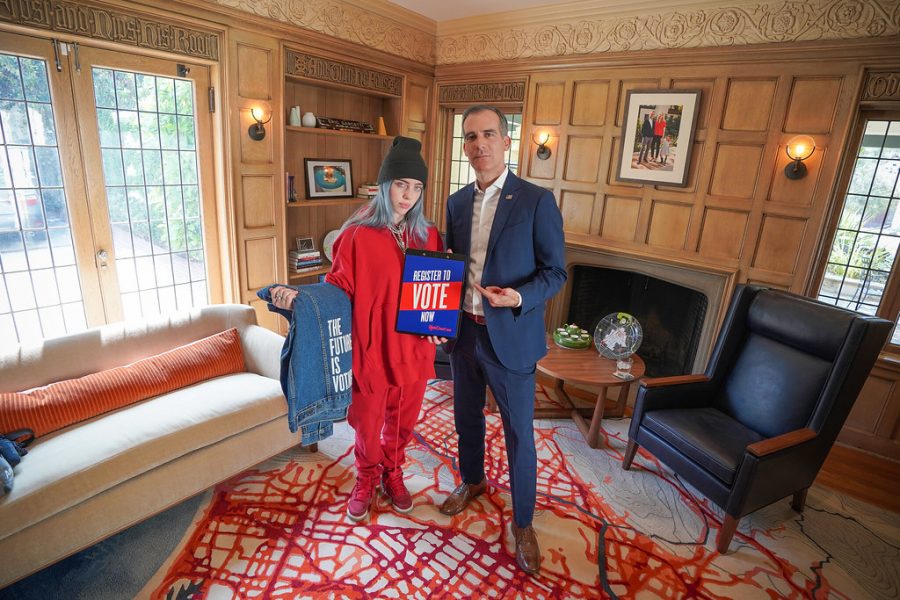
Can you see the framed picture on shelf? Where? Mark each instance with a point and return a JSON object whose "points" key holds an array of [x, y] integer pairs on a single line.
{"points": [[304, 244], [657, 136], [328, 178]]}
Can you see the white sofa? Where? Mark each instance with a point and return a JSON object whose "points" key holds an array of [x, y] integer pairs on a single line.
{"points": [[83, 483]]}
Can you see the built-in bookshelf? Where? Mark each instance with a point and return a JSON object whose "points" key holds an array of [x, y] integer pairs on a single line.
{"points": [[339, 90]]}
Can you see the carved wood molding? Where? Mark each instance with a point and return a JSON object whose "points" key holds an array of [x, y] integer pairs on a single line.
{"points": [[882, 86], [333, 71], [739, 24], [114, 25], [347, 22], [490, 92]]}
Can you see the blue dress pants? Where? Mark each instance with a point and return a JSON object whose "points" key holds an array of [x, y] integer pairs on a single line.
{"points": [[475, 365]]}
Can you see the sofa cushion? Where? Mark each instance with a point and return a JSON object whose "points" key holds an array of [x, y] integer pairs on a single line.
{"points": [[63, 403], [73, 464]]}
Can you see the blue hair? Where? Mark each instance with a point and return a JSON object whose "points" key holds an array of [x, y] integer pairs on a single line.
{"points": [[379, 212]]}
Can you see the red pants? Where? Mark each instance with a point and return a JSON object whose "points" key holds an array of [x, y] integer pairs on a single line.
{"points": [[384, 424]]}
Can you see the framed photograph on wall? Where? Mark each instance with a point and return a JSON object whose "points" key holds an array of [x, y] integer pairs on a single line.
{"points": [[657, 136], [328, 178]]}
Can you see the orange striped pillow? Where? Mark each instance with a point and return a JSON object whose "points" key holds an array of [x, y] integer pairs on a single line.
{"points": [[64, 403]]}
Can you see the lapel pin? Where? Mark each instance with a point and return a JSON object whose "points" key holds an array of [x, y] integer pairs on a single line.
{"points": [[509, 196]]}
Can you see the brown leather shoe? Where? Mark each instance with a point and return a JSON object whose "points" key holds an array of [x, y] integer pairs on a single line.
{"points": [[528, 553], [461, 496]]}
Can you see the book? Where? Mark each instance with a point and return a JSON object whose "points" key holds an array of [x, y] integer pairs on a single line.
{"points": [[305, 254], [307, 269], [289, 187], [308, 263], [344, 124], [306, 258]]}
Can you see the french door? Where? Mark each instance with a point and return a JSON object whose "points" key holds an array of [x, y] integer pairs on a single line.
{"points": [[106, 203]]}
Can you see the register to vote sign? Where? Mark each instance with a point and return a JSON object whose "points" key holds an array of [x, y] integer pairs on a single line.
{"points": [[431, 293]]}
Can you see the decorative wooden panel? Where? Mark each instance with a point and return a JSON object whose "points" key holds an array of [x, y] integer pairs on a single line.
{"points": [[589, 103], [723, 232], [870, 404], [611, 168], [138, 29], [261, 266], [255, 70], [799, 192], [748, 105], [583, 159], [576, 208], [258, 192], [632, 84], [329, 71], [874, 421], [482, 92], [417, 104], [542, 169], [779, 243], [548, 104], [255, 151], [881, 85], [620, 218], [256, 171], [668, 225], [706, 87], [693, 170], [735, 171], [812, 105]]}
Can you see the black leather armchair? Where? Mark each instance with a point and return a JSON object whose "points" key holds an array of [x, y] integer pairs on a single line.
{"points": [[757, 426]]}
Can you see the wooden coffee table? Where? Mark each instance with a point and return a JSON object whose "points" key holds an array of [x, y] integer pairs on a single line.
{"points": [[586, 367]]}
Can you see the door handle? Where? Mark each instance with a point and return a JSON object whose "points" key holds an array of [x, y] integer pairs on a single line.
{"points": [[102, 259]]}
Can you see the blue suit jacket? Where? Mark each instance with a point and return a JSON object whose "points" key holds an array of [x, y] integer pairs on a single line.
{"points": [[526, 251]]}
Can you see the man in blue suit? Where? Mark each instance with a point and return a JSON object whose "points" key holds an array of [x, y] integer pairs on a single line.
{"points": [[512, 233]]}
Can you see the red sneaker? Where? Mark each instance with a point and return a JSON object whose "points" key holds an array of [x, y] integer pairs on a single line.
{"points": [[360, 499], [394, 488]]}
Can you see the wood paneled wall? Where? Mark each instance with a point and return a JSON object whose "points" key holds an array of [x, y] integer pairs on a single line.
{"points": [[254, 81], [874, 422], [738, 209]]}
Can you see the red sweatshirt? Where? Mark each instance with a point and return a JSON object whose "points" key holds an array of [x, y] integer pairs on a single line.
{"points": [[367, 265]]}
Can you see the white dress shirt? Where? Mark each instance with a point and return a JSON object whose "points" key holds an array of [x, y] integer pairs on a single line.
{"points": [[483, 211]]}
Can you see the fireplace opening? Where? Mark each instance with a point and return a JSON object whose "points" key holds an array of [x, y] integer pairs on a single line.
{"points": [[671, 315]]}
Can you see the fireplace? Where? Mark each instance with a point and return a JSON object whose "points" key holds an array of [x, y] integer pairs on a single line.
{"points": [[678, 303], [670, 315]]}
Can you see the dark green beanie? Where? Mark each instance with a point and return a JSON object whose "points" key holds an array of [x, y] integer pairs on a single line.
{"points": [[404, 161]]}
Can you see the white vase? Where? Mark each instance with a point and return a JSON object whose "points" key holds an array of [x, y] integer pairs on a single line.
{"points": [[309, 119], [294, 118]]}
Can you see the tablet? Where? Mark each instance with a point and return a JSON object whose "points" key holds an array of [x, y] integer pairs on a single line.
{"points": [[431, 293]]}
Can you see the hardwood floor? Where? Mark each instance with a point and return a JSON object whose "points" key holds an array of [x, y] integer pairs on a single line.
{"points": [[869, 477]]}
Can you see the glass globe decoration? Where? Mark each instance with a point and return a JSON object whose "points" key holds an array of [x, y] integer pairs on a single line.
{"points": [[618, 336]]}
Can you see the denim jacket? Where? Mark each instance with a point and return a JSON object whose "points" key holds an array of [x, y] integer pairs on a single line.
{"points": [[316, 359]]}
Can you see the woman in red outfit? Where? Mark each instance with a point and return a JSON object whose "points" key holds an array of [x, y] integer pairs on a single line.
{"points": [[390, 369]]}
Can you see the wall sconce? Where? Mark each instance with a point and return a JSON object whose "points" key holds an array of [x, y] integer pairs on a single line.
{"points": [[798, 149], [541, 139], [257, 131]]}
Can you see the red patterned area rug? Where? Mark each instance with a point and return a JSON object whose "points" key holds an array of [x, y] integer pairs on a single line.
{"points": [[280, 531]]}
